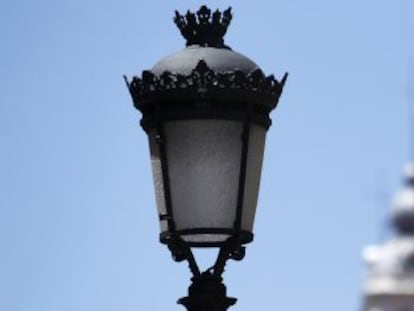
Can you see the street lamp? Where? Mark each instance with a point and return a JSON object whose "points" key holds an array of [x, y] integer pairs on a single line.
{"points": [[206, 112]]}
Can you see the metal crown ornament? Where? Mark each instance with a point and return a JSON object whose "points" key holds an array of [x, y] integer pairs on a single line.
{"points": [[203, 27]]}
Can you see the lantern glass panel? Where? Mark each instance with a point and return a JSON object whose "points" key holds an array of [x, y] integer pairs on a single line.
{"points": [[204, 168], [253, 173], [157, 172], [203, 160]]}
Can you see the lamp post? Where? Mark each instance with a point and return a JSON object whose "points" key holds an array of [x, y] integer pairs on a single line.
{"points": [[206, 112]]}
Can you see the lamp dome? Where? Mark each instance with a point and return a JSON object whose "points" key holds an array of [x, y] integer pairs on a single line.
{"points": [[217, 59]]}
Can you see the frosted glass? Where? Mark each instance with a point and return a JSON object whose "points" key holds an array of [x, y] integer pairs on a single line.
{"points": [[204, 167], [157, 177], [205, 238], [253, 174]]}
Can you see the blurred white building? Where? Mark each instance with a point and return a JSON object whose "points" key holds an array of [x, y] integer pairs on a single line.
{"points": [[390, 282]]}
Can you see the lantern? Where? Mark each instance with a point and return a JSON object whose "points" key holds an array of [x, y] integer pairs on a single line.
{"points": [[206, 111]]}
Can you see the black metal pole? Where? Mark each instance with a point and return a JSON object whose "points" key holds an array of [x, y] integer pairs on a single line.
{"points": [[207, 293]]}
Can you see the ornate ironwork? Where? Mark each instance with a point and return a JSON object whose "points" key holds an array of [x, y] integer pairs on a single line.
{"points": [[203, 27], [203, 77], [210, 93], [207, 291], [181, 251]]}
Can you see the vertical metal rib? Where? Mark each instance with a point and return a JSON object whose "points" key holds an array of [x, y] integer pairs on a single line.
{"points": [[243, 166]]}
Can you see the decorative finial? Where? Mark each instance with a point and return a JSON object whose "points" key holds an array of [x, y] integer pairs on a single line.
{"points": [[203, 27]]}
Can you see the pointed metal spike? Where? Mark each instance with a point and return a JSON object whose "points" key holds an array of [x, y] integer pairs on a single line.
{"points": [[283, 81], [126, 80]]}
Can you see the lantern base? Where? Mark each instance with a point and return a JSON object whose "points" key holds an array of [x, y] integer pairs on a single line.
{"points": [[206, 237], [207, 293]]}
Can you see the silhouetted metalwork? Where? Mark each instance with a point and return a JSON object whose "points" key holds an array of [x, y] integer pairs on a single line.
{"points": [[204, 28], [204, 77], [207, 292], [206, 89]]}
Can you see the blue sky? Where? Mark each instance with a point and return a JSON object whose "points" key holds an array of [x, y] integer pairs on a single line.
{"points": [[77, 212]]}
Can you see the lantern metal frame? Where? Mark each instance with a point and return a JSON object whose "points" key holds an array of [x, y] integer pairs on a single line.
{"points": [[243, 97]]}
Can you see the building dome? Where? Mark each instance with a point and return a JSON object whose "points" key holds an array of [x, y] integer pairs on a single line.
{"points": [[403, 205], [389, 285], [391, 267]]}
